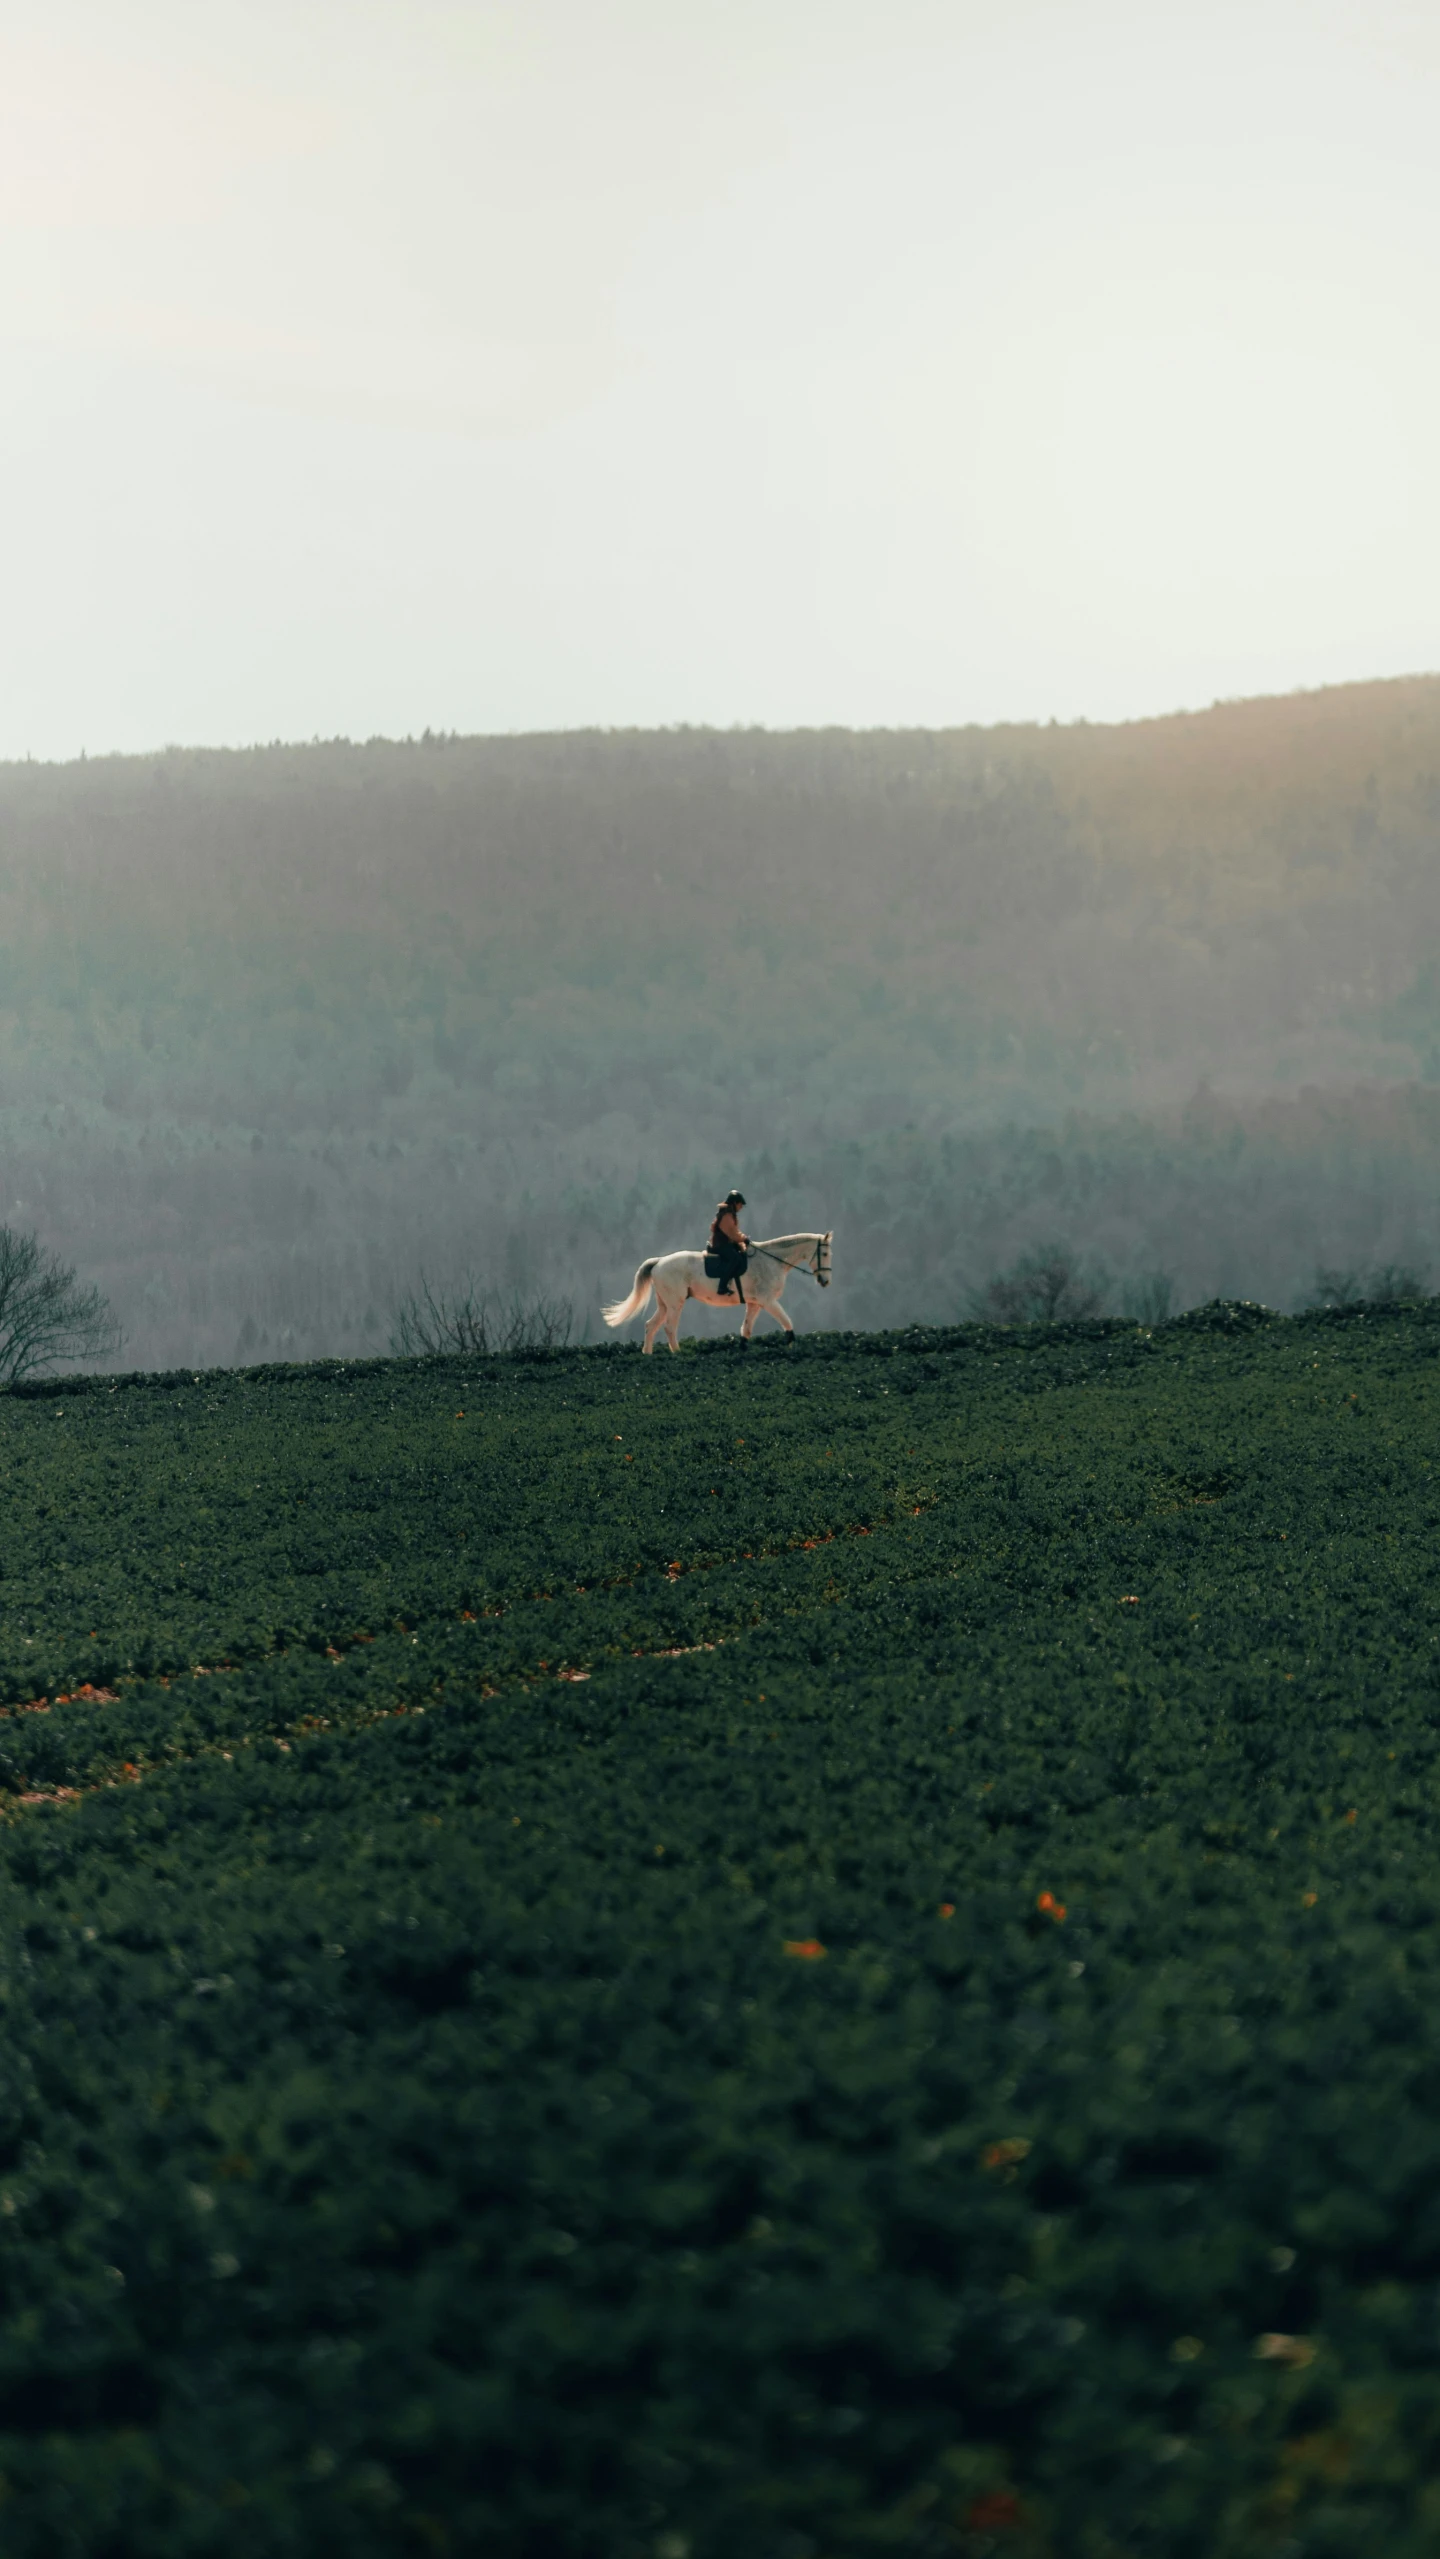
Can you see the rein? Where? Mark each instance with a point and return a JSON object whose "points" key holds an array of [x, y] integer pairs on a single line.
{"points": [[808, 1261]]}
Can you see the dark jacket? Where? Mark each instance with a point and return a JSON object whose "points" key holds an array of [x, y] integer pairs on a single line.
{"points": [[731, 1259]]}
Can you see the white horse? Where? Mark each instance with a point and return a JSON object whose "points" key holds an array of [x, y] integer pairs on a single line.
{"points": [[676, 1276]]}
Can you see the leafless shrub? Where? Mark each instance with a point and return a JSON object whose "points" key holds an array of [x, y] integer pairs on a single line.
{"points": [[1148, 1298], [476, 1322], [1048, 1285], [1335, 1288], [1389, 1283], [1396, 1283], [45, 1315]]}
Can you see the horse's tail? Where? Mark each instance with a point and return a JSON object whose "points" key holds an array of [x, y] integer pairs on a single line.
{"points": [[625, 1307]]}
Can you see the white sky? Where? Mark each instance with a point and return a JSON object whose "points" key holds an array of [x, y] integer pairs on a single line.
{"points": [[374, 364]]}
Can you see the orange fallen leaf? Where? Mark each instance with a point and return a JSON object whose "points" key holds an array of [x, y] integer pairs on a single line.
{"points": [[809, 1949], [1005, 2154], [947, 1910], [1052, 1908], [1275, 2348], [999, 2512]]}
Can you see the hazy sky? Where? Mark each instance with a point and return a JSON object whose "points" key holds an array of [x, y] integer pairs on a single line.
{"points": [[391, 364]]}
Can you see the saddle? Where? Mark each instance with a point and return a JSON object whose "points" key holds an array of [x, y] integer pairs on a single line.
{"points": [[727, 1266]]}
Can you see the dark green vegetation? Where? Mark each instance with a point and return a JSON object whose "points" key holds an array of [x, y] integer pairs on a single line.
{"points": [[279, 1028], [427, 2123]]}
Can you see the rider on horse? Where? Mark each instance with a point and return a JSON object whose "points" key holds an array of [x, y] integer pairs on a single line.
{"points": [[727, 1246]]}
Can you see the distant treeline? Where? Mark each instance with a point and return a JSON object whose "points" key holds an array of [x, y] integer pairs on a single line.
{"points": [[280, 1029]]}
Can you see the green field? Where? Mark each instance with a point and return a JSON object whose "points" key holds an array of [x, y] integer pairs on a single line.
{"points": [[827, 1951]]}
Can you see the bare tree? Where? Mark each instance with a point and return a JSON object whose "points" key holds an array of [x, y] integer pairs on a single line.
{"points": [[45, 1315], [474, 1322], [1048, 1285]]}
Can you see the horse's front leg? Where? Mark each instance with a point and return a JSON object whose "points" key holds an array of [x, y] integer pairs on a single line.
{"points": [[774, 1307]]}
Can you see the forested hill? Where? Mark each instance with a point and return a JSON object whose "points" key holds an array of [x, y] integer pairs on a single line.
{"points": [[972, 917], [273, 1021]]}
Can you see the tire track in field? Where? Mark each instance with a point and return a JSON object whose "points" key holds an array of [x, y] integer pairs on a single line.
{"points": [[132, 1772], [339, 1648]]}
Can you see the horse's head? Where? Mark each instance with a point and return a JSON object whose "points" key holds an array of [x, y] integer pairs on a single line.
{"points": [[822, 1258]]}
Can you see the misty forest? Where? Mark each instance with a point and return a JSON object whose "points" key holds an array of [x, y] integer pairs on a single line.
{"points": [[1041, 1020]]}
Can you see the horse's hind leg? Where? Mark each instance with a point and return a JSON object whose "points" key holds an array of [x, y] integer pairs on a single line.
{"points": [[668, 1317]]}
